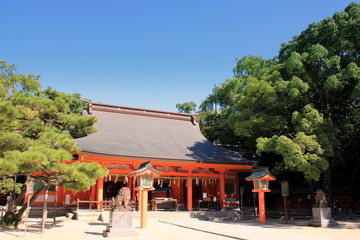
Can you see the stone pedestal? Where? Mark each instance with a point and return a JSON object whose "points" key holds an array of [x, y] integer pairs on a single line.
{"points": [[322, 217], [120, 225]]}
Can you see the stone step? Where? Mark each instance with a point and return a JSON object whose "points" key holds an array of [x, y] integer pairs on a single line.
{"points": [[83, 215], [70, 215]]}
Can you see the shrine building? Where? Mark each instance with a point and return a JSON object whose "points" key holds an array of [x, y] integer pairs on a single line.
{"points": [[193, 170]]}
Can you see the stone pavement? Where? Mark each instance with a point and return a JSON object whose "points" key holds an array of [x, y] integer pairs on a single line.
{"points": [[180, 228]]}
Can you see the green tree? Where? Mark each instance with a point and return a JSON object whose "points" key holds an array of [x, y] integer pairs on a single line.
{"points": [[219, 113], [303, 106], [36, 137], [321, 66], [186, 107], [216, 110]]}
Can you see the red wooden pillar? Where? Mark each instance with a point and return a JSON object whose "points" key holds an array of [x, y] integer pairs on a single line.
{"points": [[60, 195], [176, 190], [100, 192], [133, 191], [93, 194], [128, 184], [222, 190], [261, 197], [236, 186], [135, 195], [189, 193]]}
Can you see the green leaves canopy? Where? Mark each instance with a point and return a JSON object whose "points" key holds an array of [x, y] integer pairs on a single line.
{"points": [[303, 105], [186, 107], [37, 130]]}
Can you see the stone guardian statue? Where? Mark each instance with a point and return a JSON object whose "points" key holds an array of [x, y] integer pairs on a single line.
{"points": [[320, 199], [121, 201], [321, 212], [120, 222]]}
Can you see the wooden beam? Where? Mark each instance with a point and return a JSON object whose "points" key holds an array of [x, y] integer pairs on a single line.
{"points": [[166, 162]]}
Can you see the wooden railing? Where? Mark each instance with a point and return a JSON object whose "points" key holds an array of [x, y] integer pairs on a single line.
{"points": [[344, 202], [105, 204], [89, 203], [302, 202]]}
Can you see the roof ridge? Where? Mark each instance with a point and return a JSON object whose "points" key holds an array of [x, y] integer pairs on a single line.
{"points": [[95, 106]]}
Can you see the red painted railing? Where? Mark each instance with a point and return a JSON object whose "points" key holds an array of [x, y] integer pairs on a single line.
{"points": [[302, 202]]}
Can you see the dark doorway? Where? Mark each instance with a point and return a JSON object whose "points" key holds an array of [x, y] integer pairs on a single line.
{"points": [[197, 192], [111, 189]]}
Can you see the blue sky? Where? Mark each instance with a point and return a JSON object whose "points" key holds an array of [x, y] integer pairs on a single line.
{"points": [[147, 53]]}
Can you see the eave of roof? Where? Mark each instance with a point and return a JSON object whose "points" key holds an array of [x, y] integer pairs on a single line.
{"points": [[144, 167], [170, 160], [260, 173]]}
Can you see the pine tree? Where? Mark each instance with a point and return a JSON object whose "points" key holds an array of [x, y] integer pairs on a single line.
{"points": [[37, 131]]}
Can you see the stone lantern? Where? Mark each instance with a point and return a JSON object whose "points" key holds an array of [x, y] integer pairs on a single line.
{"points": [[145, 179], [261, 178]]}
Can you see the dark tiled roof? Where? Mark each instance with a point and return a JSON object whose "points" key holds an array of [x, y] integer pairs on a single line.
{"points": [[132, 132]]}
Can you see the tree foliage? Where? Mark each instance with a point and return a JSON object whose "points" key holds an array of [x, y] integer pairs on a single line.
{"points": [[8, 185], [218, 111], [186, 107], [36, 135], [302, 105]]}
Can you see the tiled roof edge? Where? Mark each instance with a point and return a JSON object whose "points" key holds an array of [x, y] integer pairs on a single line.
{"points": [[93, 106]]}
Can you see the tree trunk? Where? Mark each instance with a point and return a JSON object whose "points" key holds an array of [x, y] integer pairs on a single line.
{"points": [[327, 185], [24, 205], [356, 167], [44, 214], [18, 215], [312, 188]]}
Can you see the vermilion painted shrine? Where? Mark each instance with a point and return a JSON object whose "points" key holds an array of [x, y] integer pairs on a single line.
{"points": [[192, 169]]}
